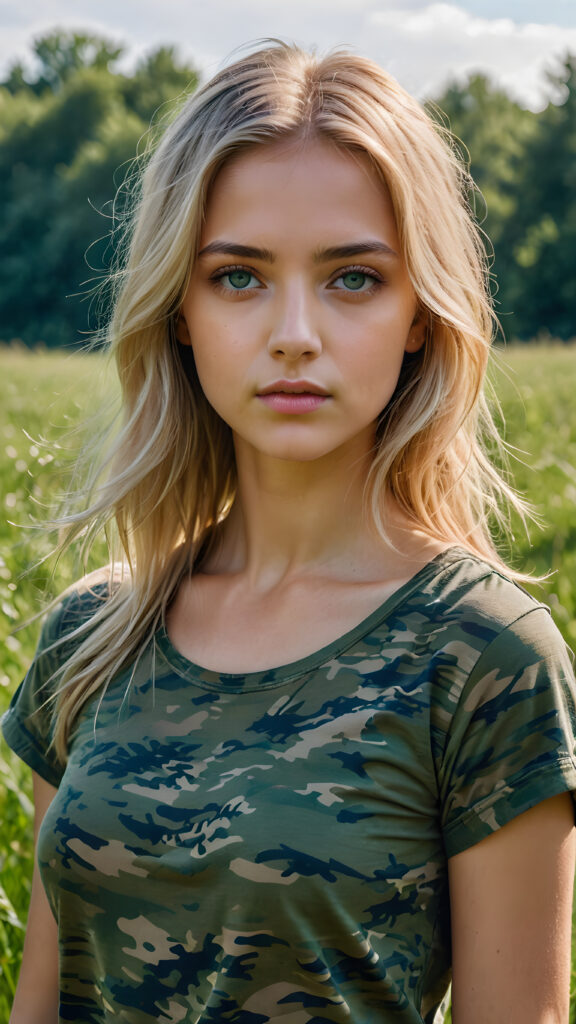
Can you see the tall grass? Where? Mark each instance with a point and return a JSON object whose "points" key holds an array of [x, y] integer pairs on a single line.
{"points": [[43, 395]]}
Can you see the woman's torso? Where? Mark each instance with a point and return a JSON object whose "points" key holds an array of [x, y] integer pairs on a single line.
{"points": [[250, 847]]}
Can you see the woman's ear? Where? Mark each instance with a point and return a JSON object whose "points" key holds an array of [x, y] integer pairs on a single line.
{"points": [[181, 330], [417, 333]]}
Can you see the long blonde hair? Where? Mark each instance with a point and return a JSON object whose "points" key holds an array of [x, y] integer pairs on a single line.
{"points": [[171, 477]]}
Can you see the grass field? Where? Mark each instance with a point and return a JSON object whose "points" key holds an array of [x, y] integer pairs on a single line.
{"points": [[43, 396]]}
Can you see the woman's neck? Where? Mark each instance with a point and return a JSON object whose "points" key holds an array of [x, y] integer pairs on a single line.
{"points": [[293, 519]]}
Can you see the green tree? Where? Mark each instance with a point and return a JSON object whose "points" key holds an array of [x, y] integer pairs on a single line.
{"points": [[492, 133], [67, 142], [525, 166], [158, 79], [58, 55], [541, 237]]}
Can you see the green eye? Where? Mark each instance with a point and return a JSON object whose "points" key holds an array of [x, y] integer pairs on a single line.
{"points": [[239, 278], [354, 280]]}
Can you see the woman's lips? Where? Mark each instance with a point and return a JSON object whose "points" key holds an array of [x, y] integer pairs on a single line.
{"points": [[293, 396], [292, 402]]}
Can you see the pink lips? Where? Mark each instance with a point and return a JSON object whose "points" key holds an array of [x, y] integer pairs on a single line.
{"points": [[293, 396]]}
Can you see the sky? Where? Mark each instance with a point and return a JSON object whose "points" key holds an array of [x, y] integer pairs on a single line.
{"points": [[424, 44]]}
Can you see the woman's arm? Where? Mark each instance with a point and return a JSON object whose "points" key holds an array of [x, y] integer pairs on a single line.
{"points": [[36, 1000], [511, 906]]}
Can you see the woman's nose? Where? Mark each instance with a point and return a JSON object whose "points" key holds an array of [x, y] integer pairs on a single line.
{"points": [[294, 332]]}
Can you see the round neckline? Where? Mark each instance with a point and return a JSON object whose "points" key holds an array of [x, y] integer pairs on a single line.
{"points": [[242, 682]]}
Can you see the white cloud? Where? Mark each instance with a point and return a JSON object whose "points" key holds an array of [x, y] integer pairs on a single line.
{"points": [[422, 43], [442, 40]]}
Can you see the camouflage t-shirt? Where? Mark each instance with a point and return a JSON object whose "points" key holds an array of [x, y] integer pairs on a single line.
{"points": [[272, 847]]}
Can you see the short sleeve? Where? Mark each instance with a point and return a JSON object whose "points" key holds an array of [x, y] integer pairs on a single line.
{"points": [[511, 741], [27, 724]]}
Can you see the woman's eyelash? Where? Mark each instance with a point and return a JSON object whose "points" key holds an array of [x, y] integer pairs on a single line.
{"points": [[357, 269], [222, 271], [217, 276]]}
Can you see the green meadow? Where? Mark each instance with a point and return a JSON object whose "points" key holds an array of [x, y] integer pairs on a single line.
{"points": [[44, 397]]}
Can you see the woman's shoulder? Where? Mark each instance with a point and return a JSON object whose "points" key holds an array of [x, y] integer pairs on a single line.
{"points": [[474, 613], [470, 584], [78, 604]]}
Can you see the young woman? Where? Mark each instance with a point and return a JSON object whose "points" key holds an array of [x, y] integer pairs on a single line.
{"points": [[311, 750]]}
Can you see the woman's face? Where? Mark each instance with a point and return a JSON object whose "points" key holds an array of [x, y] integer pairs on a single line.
{"points": [[300, 307]]}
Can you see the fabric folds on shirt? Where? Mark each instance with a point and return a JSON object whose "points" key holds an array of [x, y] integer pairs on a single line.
{"points": [[273, 846]]}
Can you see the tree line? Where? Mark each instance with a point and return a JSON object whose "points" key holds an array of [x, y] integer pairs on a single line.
{"points": [[71, 127]]}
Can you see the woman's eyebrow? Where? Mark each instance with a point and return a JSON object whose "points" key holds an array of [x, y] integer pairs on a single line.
{"points": [[223, 248], [220, 247], [344, 252]]}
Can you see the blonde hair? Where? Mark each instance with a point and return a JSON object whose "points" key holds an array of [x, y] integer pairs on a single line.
{"points": [[171, 477]]}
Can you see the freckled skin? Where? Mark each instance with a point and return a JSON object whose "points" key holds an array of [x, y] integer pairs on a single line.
{"points": [[343, 324]]}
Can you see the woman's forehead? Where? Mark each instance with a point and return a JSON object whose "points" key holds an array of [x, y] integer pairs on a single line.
{"points": [[289, 185], [282, 157]]}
